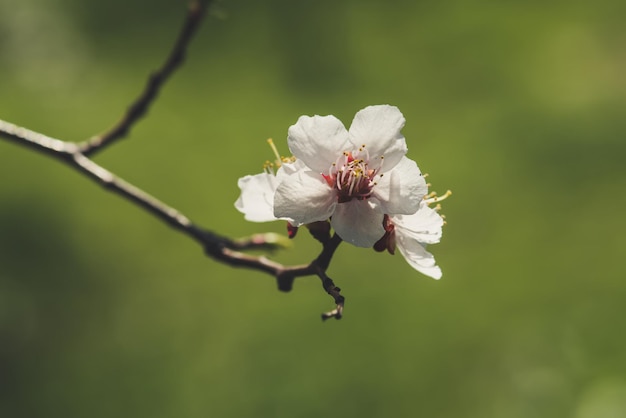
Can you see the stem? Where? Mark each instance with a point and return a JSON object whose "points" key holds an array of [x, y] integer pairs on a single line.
{"points": [[140, 106]]}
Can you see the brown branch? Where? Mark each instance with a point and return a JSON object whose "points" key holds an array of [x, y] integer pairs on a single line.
{"points": [[223, 249], [334, 291], [140, 106]]}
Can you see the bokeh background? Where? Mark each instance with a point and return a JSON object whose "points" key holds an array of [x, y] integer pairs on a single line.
{"points": [[518, 107]]}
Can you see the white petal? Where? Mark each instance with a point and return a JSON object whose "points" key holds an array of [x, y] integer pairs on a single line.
{"points": [[378, 128], [401, 190], [256, 200], [288, 169], [358, 222], [423, 226], [318, 141], [304, 197], [417, 256]]}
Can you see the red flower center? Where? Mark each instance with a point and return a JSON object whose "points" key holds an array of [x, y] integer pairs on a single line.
{"points": [[352, 177]]}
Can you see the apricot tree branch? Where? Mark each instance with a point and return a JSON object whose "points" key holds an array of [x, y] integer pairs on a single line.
{"points": [[219, 247]]}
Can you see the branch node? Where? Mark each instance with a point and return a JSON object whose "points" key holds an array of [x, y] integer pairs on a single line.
{"points": [[285, 283]]}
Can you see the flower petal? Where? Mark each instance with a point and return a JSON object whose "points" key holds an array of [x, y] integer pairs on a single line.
{"points": [[401, 190], [287, 169], [417, 256], [256, 200], [358, 222], [378, 128], [304, 197], [318, 141], [423, 226]]}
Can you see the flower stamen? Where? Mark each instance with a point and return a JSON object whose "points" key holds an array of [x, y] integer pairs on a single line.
{"points": [[268, 167], [433, 198], [280, 159], [351, 176]]}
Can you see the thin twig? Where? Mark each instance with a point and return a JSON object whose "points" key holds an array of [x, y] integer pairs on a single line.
{"points": [[140, 106], [334, 291], [322, 262]]}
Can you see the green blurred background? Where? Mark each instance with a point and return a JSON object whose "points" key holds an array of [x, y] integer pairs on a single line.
{"points": [[518, 107]]}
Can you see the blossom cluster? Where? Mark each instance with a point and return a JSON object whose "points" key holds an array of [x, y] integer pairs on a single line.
{"points": [[359, 179]]}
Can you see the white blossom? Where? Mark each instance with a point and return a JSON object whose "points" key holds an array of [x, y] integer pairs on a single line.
{"points": [[354, 177], [256, 200], [413, 233], [373, 195]]}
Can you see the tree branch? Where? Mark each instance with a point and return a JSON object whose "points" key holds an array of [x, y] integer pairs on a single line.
{"points": [[216, 246], [140, 106], [223, 249]]}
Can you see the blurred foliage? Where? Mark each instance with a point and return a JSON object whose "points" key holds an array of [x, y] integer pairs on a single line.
{"points": [[518, 107]]}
